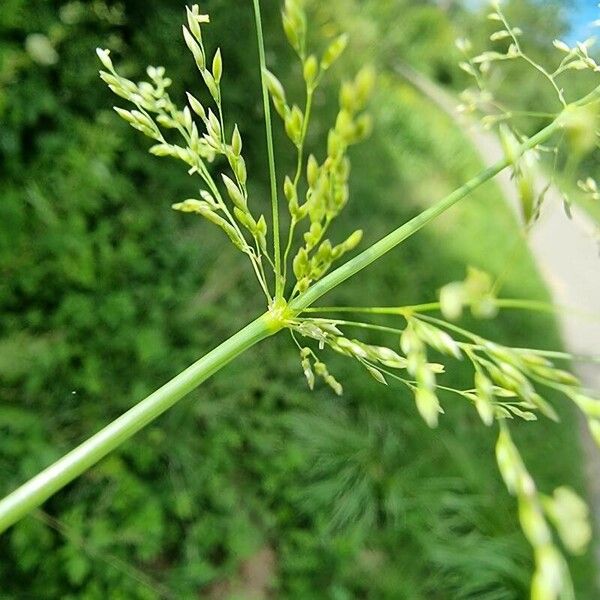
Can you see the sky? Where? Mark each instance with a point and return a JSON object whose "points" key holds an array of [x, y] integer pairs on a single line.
{"points": [[582, 14]]}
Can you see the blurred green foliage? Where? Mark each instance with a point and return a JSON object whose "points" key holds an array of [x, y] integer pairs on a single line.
{"points": [[252, 482]]}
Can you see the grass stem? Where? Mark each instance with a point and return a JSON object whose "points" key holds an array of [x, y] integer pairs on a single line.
{"points": [[38, 489], [270, 152]]}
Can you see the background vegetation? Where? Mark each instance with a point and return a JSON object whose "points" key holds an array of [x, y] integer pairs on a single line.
{"points": [[251, 486]]}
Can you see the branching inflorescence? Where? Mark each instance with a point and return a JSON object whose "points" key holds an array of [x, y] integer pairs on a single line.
{"points": [[507, 383], [579, 119]]}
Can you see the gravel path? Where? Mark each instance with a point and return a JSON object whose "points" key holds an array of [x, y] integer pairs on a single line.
{"points": [[567, 255]]}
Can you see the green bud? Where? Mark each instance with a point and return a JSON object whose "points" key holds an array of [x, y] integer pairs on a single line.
{"points": [[410, 342], [140, 121], [438, 339], [196, 106], [196, 13], [534, 525], [233, 235], [119, 90], [274, 86], [240, 170], [294, 24], [321, 369], [111, 80], [334, 51], [344, 124], [313, 235], [185, 154], [557, 375], [376, 374], [335, 385], [352, 347], [308, 372], [162, 150], [508, 461], [212, 86], [207, 197], [193, 206], [386, 356], [364, 84], [513, 373], [236, 141], [293, 125], [296, 211], [485, 410], [543, 406], [312, 171], [214, 126], [353, 240], [534, 360], [303, 284], [124, 114], [503, 354], [547, 581], [104, 57], [193, 24], [186, 118], [324, 252], [428, 406], [217, 66], [570, 515], [300, 264], [452, 298], [526, 415], [194, 48], [236, 195], [166, 121], [310, 71], [484, 398], [246, 219], [424, 375], [290, 33], [157, 73], [194, 138], [363, 128], [347, 97], [335, 145], [289, 190], [261, 226]]}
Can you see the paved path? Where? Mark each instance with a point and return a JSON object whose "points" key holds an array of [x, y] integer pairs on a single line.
{"points": [[566, 252]]}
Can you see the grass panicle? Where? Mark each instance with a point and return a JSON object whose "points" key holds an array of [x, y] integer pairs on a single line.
{"points": [[418, 342]]}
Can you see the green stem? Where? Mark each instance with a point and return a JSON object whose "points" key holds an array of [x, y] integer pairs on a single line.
{"points": [[38, 489], [359, 324], [375, 310], [270, 151], [390, 241], [510, 303], [293, 223], [288, 247]]}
